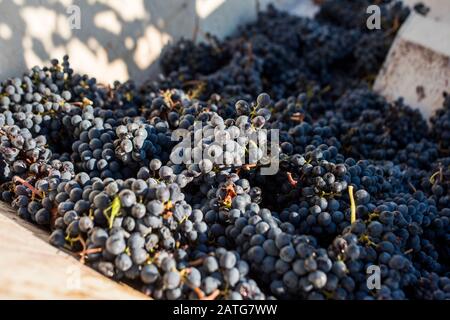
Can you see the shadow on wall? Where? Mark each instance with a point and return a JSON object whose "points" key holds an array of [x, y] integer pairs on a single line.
{"points": [[117, 40]]}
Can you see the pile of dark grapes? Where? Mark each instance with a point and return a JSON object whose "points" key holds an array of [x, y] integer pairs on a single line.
{"points": [[361, 183]]}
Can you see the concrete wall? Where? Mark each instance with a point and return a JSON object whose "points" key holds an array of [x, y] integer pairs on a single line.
{"points": [[117, 39], [417, 67]]}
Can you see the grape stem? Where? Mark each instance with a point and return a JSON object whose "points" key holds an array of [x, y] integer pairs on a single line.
{"points": [[230, 194], [201, 295], [298, 117], [412, 186], [83, 253], [168, 214], [213, 295], [197, 262], [53, 215], [199, 292]]}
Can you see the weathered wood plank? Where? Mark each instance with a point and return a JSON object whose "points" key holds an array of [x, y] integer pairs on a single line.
{"points": [[417, 67], [30, 268]]}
